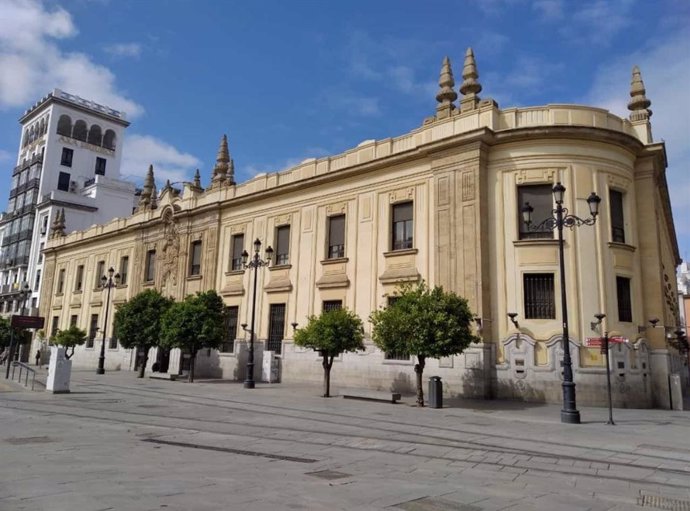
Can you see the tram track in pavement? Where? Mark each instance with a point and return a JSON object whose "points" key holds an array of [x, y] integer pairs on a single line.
{"points": [[146, 419]]}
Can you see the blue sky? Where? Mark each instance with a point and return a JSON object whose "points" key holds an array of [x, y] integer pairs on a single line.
{"points": [[298, 79]]}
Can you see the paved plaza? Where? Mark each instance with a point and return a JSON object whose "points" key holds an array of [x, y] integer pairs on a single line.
{"points": [[120, 443]]}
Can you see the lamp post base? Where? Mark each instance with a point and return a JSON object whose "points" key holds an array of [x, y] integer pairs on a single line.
{"points": [[249, 384], [100, 370], [570, 416]]}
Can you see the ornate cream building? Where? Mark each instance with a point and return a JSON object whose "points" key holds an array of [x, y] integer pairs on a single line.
{"points": [[440, 203]]}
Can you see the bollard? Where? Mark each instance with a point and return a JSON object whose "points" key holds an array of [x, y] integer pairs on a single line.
{"points": [[435, 392]]}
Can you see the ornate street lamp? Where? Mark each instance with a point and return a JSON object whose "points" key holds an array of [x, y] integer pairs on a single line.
{"points": [[256, 262], [569, 413], [106, 283], [24, 293]]}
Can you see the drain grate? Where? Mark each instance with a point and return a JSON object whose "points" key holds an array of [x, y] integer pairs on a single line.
{"points": [[29, 440], [231, 451], [661, 502], [328, 474]]}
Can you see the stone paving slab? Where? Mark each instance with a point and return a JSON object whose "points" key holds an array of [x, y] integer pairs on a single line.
{"points": [[121, 443]]}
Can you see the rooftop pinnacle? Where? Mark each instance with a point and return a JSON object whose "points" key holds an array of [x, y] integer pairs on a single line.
{"points": [[470, 85], [638, 99], [446, 94], [220, 171]]}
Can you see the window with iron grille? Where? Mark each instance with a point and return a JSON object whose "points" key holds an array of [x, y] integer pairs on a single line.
{"points": [[100, 166], [276, 327], [100, 272], [283, 244], [150, 273], [67, 155], [540, 197], [73, 320], [93, 329], [61, 281], [237, 249], [112, 343], [329, 305], [624, 301], [539, 296], [231, 315], [617, 218], [195, 258], [124, 269], [54, 324], [336, 236], [79, 279], [403, 227]]}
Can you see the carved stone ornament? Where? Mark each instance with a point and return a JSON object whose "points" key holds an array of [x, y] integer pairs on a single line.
{"points": [[171, 248], [402, 194]]}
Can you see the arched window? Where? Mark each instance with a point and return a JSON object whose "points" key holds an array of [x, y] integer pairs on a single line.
{"points": [[64, 126], [25, 139], [79, 131], [32, 137], [109, 140], [42, 129], [95, 135]]}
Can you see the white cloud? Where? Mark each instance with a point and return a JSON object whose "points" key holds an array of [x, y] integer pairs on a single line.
{"points": [[140, 151], [32, 62], [550, 10], [123, 49], [5, 155], [665, 67], [598, 22], [254, 169]]}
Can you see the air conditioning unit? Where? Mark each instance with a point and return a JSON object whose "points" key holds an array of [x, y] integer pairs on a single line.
{"points": [[72, 186]]}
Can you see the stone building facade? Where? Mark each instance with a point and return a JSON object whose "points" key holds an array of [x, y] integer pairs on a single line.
{"points": [[440, 203]]}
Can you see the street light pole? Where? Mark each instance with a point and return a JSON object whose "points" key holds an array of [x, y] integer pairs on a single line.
{"points": [[569, 413], [256, 263], [23, 295], [106, 283]]}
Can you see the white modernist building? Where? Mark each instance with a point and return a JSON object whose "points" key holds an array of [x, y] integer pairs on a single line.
{"points": [[68, 161]]}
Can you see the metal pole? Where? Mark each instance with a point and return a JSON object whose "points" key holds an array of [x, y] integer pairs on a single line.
{"points": [[569, 413], [608, 378], [10, 353], [101, 358], [249, 382]]}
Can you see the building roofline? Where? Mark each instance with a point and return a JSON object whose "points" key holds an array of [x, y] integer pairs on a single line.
{"points": [[64, 98]]}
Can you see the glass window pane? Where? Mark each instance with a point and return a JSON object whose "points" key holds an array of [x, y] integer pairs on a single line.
{"points": [[540, 197]]}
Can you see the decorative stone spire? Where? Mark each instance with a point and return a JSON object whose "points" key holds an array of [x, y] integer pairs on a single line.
{"points": [[57, 229], [147, 191], [220, 171], [231, 173], [639, 104], [446, 94], [154, 196], [470, 85], [197, 179]]}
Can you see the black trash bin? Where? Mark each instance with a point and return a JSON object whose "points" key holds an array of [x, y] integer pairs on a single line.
{"points": [[435, 392]]}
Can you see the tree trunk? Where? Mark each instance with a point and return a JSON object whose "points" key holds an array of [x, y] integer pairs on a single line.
{"points": [[327, 364], [67, 357], [142, 366], [419, 370], [192, 363]]}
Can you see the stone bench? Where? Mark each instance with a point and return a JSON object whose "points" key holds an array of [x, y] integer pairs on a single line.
{"points": [[395, 397]]}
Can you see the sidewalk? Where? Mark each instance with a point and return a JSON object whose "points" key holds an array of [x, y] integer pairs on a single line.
{"points": [[118, 442]]}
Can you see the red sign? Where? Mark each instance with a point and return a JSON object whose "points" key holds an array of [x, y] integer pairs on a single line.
{"points": [[598, 342], [27, 321]]}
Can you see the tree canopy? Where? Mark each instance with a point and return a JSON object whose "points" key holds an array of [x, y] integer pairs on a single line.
{"points": [[73, 336], [332, 333], [138, 322], [423, 322], [5, 332], [195, 323]]}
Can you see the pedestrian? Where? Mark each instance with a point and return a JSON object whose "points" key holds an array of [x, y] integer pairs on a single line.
{"points": [[38, 358]]}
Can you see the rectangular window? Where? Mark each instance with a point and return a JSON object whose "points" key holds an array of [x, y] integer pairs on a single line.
{"points": [[66, 159], [100, 272], [617, 218], [79, 278], [237, 249], [283, 244], [329, 305], [150, 272], [336, 236], [37, 282], [100, 166], [195, 258], [54, 326], [540, 302], [61, 281], [73, 320], [540, 197], [40, 252], [44, 224], [63, 181], [624, 301], [402, 226], [231, 314], [276, 327], [93, 330], [124, 268], [112, 343]]}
